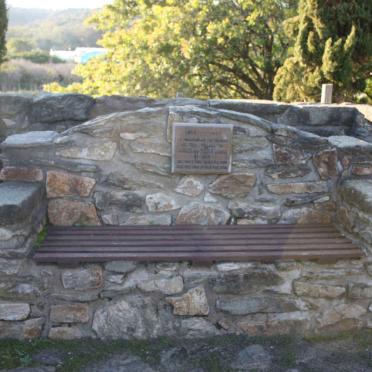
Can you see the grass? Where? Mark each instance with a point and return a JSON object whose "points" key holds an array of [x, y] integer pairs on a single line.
{"points": [[212, 354], [41, 236]]}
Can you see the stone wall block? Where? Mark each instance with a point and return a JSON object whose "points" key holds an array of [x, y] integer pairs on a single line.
{"points": [[29, 174], [298, 187], [193, 302], [326, 163], [190, 186], [318, 290], [65, 184], [82, 278], [360, 290], [69, 313], [203, 214], [65, 212], [14, 311], [233, 185], [161, 202]]}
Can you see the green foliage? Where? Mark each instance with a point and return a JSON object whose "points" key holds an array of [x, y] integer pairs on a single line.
{"points": [[36, 56], [3, 29], [200, 48], [51, 29], [333, 45]]}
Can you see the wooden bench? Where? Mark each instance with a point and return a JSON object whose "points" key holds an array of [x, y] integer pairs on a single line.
{"points": [[195, 243]]}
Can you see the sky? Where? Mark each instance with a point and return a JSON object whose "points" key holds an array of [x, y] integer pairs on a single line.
{"points": [[57, 4]]}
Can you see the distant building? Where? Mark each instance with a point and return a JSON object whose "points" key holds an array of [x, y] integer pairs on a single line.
{"points": [[79, 55]]}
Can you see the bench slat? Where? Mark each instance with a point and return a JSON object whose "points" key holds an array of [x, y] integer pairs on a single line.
{"points": [[191, 242]]}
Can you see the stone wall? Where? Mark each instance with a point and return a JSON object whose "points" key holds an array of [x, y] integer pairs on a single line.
{"points": [[115, 169]]}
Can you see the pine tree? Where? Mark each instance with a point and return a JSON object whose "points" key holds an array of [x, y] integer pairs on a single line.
{"points": [[333, 44], [3, 28]]}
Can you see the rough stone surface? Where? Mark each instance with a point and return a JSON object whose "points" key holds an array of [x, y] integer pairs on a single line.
{"points": [[63, 212], [318, 290], [65, 333], [18, 200], [161, 202], [253, 357], [193, 302], [82, 278], [164, 285], [326, 164], [98, 151], [61, 107], [21, 174], [14, 311], [71, 313], [30, 139], [190, 186], [233, 185], [298, 188], [203, 214]]}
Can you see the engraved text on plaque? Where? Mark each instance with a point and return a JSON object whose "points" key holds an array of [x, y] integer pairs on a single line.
{"points": [[201, 148]]}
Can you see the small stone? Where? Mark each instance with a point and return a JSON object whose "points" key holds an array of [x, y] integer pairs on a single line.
{"points": [[209, 198], [95, 151], [69, 313], [298, 187], [326, 164], [14, 311], [190, 186], [64, 212], [193, 302], [160, 202], [306, 215], [318, 290], [121, 266], [253, 357], [82, 278], [203, 214], [164, 285], [21, 174], [65, 333], [233, 185], [66, 184], [198, 327]]}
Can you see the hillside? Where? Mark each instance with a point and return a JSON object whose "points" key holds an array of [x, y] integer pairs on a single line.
{"points": [[57, 29]]}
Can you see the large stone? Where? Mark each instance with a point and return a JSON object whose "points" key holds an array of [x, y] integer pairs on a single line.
{"points": [[326, 164], [132, 317], [161, 202], [233, 185], [280, 171], [28, 329], [126, 201], [298, 187], [351, 145], [362, 170], [69, 313], [21, 174], [120, 266], [286, 155], [64, 212], [190, 186], [82, 278], [30, 139], [164, 285], [95, 151], [252, 358], [243, 305], [18, 200], [67, 184], [198, 327], [251, 210], [318, 290], [341, 312], [14, 311], [203, 214], [360, 290], [61, 107], [193, 302]]}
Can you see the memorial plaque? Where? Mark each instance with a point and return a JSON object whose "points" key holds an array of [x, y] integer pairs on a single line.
{"points": [[201, 148]]}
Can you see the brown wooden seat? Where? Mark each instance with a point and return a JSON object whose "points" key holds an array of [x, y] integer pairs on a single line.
{"points": [[194, 243]]}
